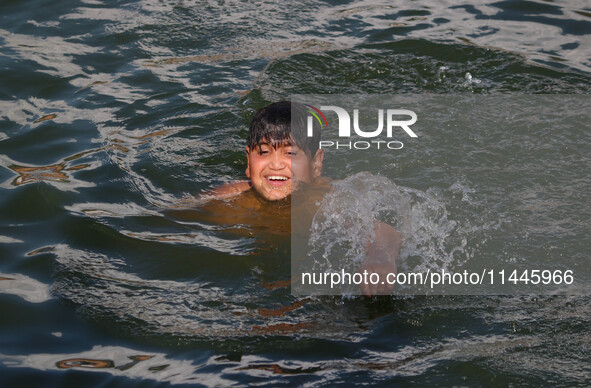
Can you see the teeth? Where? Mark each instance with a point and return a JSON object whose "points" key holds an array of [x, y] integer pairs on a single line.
{"points": [[277, 178]]}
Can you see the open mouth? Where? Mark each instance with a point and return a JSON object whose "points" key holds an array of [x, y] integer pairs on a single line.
{"points": [[277, 180]]}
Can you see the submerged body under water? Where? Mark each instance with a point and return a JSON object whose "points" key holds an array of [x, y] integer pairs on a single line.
{"points": [[113, 114]]}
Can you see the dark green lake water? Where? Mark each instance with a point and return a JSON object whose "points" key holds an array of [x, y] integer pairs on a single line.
{"points": [[113, 112]]}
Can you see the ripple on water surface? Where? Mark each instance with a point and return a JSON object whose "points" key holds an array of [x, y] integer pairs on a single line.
{"points": [[113, 112]]}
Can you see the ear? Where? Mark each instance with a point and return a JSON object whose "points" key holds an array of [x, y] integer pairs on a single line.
{"points": [[317, 163], [247, 162]]}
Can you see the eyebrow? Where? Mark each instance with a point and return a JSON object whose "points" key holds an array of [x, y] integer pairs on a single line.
{"points": [[284, 143]]}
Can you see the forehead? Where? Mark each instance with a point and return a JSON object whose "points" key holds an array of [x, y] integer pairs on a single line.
{"points": [[276, 144]]}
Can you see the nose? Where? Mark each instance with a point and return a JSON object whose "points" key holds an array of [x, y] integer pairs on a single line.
{"points": [[278, 161]]}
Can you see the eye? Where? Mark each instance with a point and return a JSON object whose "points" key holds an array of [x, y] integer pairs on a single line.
{"points": [[293, 151], [264, 150]]}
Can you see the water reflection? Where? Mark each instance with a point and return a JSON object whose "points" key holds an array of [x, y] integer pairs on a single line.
{"points": [[116, 360], [508, 353], [84, 363], [45, 118], [58, 173], [102, 286], [33, 110], [31, 290], [166, 88], [100, 364], [37, 174]]}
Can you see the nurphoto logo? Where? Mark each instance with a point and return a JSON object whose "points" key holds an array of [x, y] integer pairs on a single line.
{"points": [[395, 119]]}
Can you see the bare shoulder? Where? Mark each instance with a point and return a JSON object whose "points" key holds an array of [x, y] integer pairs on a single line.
{"points": [[227, 190], [323, 182], [221, 192]]}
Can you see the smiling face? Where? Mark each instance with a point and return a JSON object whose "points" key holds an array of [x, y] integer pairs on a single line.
{"points": [[275, 172]]}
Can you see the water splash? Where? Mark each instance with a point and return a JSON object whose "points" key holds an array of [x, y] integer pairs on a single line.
{"points": [[344, 224]]}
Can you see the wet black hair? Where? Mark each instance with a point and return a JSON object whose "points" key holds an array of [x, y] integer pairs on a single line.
{"points": [[282, 123]]}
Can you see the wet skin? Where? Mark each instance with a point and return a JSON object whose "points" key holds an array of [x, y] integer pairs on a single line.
{"points": [[240, 209], [275, 171]]}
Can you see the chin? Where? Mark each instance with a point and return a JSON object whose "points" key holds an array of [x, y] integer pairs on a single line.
{"points": [[277, 197], [273, 195]]}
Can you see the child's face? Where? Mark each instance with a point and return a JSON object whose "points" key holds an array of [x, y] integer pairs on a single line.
{"points": [[275, 172]]}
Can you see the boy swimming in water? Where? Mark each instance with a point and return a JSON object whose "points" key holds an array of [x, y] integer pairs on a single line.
{"points": [[281, 159]]}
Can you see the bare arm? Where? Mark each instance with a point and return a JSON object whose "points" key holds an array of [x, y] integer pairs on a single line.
{"points": [[382, 257]]}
